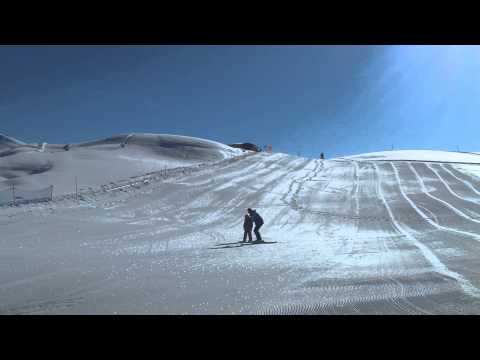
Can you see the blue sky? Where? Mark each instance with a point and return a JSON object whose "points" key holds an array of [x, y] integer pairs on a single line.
{"points": [[341, 100]]}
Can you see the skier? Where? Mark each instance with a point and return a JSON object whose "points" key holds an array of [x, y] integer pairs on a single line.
{"points": [[322, 156], [247, 228], [257, 219]]}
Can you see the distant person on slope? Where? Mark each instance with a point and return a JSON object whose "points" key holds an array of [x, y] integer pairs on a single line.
{"points": [[257, 219], [247, 228]]}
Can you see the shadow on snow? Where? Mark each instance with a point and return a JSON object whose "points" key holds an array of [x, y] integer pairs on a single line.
{"points": [[238, 244]]}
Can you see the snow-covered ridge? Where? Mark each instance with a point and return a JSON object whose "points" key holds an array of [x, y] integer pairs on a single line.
{"points": [[162, 140], [8, 142], [418, 155], [101, 161]]}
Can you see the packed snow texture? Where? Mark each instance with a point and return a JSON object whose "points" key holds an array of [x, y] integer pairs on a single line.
{"points": [[420, 155], [353, 236]]}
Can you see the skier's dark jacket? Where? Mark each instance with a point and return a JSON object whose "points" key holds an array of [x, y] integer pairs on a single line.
{"points": [[257, 219], [248, 223]]}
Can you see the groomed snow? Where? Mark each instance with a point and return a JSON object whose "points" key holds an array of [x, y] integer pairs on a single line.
{"points": [[419, 155], [395, 236]]}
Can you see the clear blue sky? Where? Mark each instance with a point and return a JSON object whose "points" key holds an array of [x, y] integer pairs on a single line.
{"points": [[342, 100]]}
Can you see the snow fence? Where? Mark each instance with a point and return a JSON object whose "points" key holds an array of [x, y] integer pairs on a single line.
{"points": [[16, 195]]}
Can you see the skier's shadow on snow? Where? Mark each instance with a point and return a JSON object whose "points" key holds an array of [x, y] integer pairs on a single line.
{"points": [[240, 244]]}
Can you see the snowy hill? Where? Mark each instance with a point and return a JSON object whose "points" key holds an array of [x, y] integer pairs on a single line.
{"points": [[102, 161], [391, 233], [7, 142], [419, 155]]}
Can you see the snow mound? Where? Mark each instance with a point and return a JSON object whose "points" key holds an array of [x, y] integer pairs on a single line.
{"points": [[102, 161], [7, 142], [419, 155], [175, 146]]}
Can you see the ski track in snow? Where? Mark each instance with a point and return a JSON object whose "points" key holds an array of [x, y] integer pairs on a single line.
{"points": [[424, 216], [448, 186], [453, 208], [429, 255], [467, 183]]}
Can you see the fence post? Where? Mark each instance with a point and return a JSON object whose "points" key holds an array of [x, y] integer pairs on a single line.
{"points": [[13, 195]]}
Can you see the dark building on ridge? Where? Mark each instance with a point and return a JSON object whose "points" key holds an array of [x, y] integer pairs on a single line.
{"points": [[246, 146]]}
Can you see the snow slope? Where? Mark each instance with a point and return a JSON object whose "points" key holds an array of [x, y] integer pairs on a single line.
{"points": [[101, 161], [354, 236], [7, 142], [419, 155]]}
